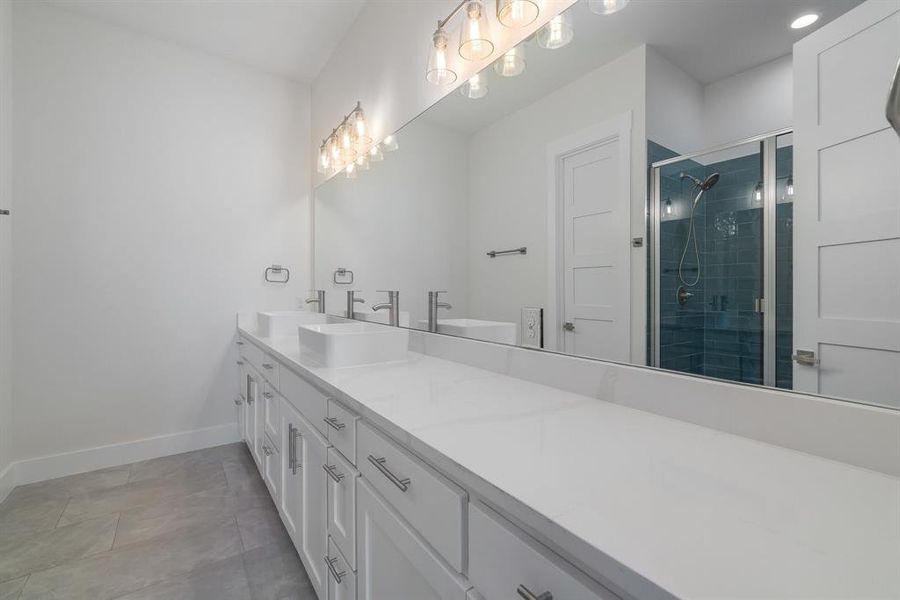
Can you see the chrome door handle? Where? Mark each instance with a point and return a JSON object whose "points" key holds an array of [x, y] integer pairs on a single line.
{"points": [[269, 366], [334, 572], [807, 358], [569, 326], [294, 462], [335, 424], [527, 594], [402, 484], [332, 472]]}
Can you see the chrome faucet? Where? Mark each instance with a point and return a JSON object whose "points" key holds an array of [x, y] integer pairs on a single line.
{"points": [[433, 306], [319, 300], [351, 300], [393, 304]]}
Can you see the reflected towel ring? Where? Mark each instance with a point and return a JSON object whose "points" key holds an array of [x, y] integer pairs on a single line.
{"points": [[277, 270]]}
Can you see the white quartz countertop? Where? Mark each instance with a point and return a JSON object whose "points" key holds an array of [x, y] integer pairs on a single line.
{"points": [[657, 506]]}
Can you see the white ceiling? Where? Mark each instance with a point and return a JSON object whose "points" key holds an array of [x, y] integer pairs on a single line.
{"points": [[293, 38], [708, 39]]}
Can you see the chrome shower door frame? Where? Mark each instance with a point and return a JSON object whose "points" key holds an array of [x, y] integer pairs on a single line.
{"points": [[768, 148]]}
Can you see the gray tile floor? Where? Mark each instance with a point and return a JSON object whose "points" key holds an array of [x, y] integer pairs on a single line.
{"points": [[198, 526]]}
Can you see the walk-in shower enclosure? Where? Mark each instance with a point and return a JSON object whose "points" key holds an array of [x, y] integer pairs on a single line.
{"points": [[723, 309]]}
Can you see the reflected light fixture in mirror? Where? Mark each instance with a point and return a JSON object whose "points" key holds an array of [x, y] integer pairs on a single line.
{"points": [[606, 7], [362, 162], [438, 71], [476, 87], [790, 186], [350, 171], [475, 37], [390, 143], [557, 33], [375, 153], [512, 63], [517, 13]]}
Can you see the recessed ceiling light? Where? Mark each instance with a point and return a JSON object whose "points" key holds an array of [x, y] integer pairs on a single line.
{"points": [[804, 21]]}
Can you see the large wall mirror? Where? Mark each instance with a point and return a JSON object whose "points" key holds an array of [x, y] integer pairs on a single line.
{"points": [[634, 195]]}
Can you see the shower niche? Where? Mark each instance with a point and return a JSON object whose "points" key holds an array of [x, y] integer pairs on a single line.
{"points": [[721, 280]]}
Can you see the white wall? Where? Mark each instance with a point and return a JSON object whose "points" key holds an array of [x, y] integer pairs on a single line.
{"points": [[6, 427], [402, 225], [749, 103], [153, 185], [675, 115], [507, 211], [381, 62]]}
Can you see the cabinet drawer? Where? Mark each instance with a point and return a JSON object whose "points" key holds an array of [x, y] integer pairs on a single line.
{"points": [[270, 404], [341, 576], [341, 426], [311, 403], [503, 558], [341, 482], [261, 361], [429, 501]]}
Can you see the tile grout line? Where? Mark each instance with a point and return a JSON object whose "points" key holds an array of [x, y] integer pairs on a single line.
{"points": [[62, 512], [22, 589], [116, 533]]}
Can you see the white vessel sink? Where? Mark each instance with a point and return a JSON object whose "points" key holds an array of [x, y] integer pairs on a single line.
{"points": [[285, 322], [379, 316], [476, 329], [350, 344]]}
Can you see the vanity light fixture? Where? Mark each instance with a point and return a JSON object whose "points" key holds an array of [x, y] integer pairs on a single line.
{"points": [[349, 148], [789, 188], [476, 87], [512, 63], [606, 7], [438, 71], [558, 32], [517, 13], [475, 38], [804, 21]]}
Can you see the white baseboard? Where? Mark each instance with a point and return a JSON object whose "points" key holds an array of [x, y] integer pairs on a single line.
{"points": [[71, 463]]}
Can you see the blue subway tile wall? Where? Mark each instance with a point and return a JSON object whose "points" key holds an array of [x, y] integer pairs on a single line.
{"points": [[718, 331]]}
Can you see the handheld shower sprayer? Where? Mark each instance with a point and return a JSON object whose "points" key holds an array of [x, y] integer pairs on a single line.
{"points": [[703, 186]]}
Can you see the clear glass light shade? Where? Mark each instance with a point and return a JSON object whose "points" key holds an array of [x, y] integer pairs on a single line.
{"points": [[475, 35], [512, 63], [360, 128], [324, 161], [757, 192], [438, 70], [556, 33], [362, 162], [350, 171], [390, 143], [790, 186], [375, 153], [337, 165], [606, 7], [669, 206], [476, 87], [517, 13]]}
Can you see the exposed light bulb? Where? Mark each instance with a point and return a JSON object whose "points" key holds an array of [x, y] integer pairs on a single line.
{"points": [[438, 70], [512, 63], [557, 33], [476, 87], [790, 187], [474, 37], [517, 13], [606, 7]]}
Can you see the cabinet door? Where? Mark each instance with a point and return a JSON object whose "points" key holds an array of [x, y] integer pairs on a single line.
{"points": [[313, 504], [342, 504], [291, 501], [251, 383], [394, 561], [341, 578], [271, 466], [270, 406]]}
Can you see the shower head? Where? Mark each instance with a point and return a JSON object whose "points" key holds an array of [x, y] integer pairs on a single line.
{"points": [[705, 184]]}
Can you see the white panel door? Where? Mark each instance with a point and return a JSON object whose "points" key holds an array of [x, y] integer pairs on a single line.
{"points": [[847, 208], [393, 561], [593, 189]]}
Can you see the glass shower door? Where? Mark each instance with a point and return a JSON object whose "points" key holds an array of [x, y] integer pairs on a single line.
{"points": [[709, 265]]}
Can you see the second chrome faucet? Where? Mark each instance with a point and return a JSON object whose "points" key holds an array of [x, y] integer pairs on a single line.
{"points": [[433, 305], [393, 304]]}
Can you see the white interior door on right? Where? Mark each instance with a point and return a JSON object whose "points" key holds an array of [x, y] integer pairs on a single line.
{"points": [[594, 210], [847, 208]]}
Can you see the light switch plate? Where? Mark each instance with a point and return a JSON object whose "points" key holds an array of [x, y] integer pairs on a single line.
{"points": [[532, 327]]}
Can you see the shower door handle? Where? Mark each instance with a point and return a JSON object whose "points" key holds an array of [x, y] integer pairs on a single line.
{"points": [[807, 358], [569, 326], [4, 211]]}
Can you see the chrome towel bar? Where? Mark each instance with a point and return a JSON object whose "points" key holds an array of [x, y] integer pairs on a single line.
{"points": [[496, 253]]}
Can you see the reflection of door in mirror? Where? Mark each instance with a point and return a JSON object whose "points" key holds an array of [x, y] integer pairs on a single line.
{"points": [[592, 195]]}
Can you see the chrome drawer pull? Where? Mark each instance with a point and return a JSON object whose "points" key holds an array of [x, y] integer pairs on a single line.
{"points": [[293, 435], [269, 366], [240, 362], [527, 594], [403, 484], [335, 424], [334, 572], [240, 343], [267, 395], [332, 472]]}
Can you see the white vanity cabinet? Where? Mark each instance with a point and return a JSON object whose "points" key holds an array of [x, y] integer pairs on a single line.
{"points": [[393, 560], [504, 562]]}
